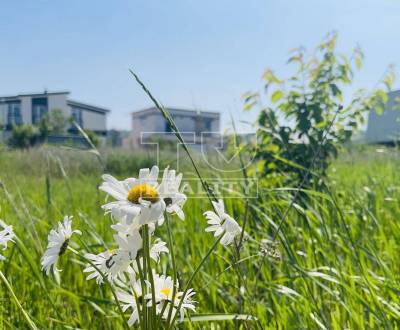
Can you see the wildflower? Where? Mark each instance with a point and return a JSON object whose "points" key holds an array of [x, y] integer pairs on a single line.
{"points": [[157, 248], [169, 192], [187, 303], [58, 243], [163, 288], [137, 200], [130, 243], [113, 265], [6, 235], [129, 298], [124, 226], [270, 249], [222, 223]]}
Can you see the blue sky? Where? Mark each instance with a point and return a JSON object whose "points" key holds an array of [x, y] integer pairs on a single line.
{"points": [[196, 54]]}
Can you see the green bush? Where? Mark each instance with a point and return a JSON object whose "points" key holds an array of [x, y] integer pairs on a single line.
{"points": [[57, 121], [23, 136], [308, 117]]}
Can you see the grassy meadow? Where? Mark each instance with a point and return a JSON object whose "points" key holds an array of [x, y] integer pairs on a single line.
{"points": [[335, 265]]}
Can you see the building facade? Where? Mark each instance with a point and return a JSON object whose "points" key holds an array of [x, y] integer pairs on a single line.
{"points": [[194, 125], [32, 108], [385, 128]]}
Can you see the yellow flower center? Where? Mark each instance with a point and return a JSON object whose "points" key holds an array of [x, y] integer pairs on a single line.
{"points": [[166, 291], [144, 191]]}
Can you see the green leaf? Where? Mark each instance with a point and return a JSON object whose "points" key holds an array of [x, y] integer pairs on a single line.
{"points": [[295, 58], [358, 57], [321, 124], [270, 77], [335, 90], [220, 317], [358, 62], [248, 106], [276, 96]]}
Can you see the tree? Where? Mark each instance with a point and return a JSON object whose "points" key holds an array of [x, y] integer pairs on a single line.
{"points": [[57, 121], [23, 136], [44, 127], [308, 117]]}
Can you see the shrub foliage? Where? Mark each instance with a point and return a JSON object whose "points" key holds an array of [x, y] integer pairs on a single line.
{"points": [[308, 117]]}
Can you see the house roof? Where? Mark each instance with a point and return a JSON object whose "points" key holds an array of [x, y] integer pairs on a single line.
{"points": [[78, 104], [177, 111], [86, 106], [8, 97]]}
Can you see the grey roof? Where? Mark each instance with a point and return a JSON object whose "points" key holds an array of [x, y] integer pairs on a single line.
{"points": [[176, 111], [82, 105], [33, 94], [87, 106]]}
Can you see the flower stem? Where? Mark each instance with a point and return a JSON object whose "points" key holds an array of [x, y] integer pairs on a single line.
{"points": [[26, 316], [171, 249], [150, 273], [189, 283], [138, 307], [143, 287]]}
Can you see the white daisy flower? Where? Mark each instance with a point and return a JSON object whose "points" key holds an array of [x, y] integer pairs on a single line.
{"points": [[127, 298], [6, 235], [123, 227], [130, 243], [113, 264], [169, 192], [137, 200], [222, 223], [163, 288], [187, 303], [157, 248], [57, 245]]}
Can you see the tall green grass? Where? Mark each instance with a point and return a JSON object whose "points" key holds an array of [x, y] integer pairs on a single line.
{"points": [[339, 250]]}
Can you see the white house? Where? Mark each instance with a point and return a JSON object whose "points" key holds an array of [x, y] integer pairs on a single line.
{"points": [[385, 128], [194, 125], [31, 108]]}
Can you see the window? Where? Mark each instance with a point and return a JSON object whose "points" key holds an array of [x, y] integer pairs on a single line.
{"points": [[207, 124], [39, 109], [14, 114], [77, 116]]}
